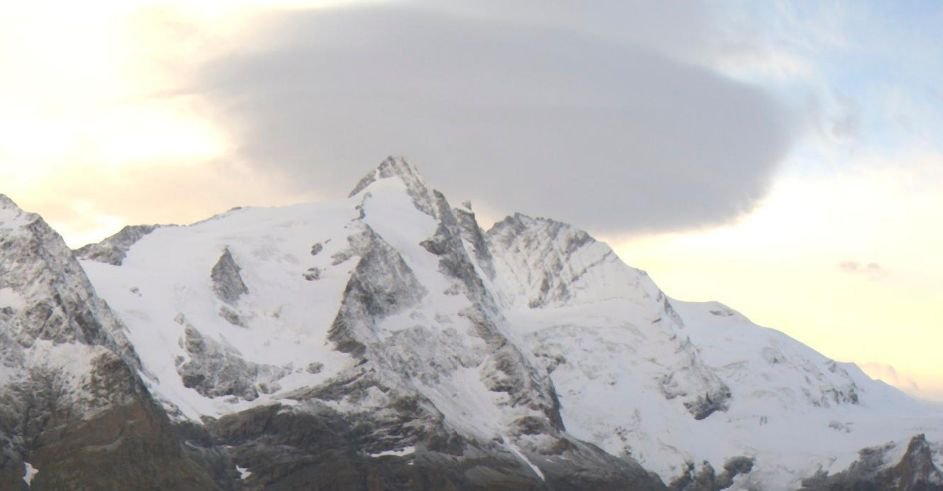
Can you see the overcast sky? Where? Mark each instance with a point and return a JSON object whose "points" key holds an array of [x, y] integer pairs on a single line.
{"points": [[783, 157]]}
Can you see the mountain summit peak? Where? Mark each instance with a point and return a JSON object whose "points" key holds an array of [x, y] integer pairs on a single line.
{"points": [[392, 166], [12, 216], [398, 167], [9, 206]]}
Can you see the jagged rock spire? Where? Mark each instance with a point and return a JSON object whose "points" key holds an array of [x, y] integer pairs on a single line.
{"points": [[398, 167]]}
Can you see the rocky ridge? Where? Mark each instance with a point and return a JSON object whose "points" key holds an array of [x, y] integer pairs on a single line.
{"points": [[71, 402]]}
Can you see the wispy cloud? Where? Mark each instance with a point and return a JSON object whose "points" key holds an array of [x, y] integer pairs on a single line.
{"points": [[871, 270], [929, 389]]}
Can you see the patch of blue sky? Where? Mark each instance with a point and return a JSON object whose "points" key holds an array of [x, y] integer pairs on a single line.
{"points": [[872, 77]]}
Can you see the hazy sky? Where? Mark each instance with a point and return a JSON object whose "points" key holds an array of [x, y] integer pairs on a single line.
{"points": [[782, 157]]}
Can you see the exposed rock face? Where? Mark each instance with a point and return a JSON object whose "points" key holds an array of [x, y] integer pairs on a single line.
{"points": [[227, 282], [381, 284], [323, 449], [53, 299], [397, 167], [215, 370], [476, 242], [114, 249], [706, 479], [71, 403], [511, 371], [916, 471], [528, 241]]}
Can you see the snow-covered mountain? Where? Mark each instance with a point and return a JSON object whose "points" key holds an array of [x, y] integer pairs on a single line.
{"points": [[73, 412], [386, 341]]}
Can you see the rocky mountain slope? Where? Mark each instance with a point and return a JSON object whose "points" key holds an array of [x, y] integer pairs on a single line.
{"points": [[74, 413], [386, 341]]}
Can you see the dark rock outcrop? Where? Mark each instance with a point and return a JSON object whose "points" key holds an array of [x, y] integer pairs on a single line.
{"points": [[215, 370], [114, 249], [227, 282], [381, 284], [415, 186], [707, 479], [290, 449], [915, 471]]}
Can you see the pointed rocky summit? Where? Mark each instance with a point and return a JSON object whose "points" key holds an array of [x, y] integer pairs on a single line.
{"points": [[399, 168]]}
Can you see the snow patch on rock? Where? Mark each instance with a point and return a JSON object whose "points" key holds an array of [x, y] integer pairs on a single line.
{"points": [[11, 299], [29, 473], [400, 452], [517, 453]]}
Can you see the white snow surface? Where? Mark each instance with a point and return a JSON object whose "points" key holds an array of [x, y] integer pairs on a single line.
{"points": [[517, 453], [167, 273], [29, 473], [625, 359], [400, 452]]}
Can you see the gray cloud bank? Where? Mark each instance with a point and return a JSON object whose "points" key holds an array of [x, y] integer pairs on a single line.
{"points": [[601, 131]]}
